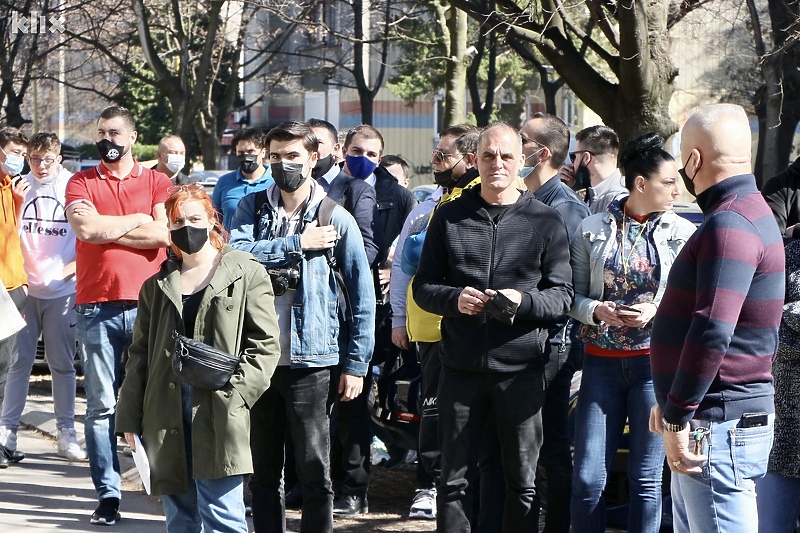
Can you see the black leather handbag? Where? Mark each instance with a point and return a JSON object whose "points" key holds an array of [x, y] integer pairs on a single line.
{"points": [[200, 365]]}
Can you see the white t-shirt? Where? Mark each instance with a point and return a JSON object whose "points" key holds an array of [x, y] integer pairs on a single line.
{"points": [[48, 242]]}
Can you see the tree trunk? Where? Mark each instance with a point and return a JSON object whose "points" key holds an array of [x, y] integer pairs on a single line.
{"points": [[209, 145], [456, 74], [773, 94], [777, 102], [635, 98], [366, 99]]}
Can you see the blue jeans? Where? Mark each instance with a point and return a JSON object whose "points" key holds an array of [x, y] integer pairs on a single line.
{"points": [[467, 402], [614, 390], [105, 331], [210, 506], [723, 498], [778, 503], [298, 400]]}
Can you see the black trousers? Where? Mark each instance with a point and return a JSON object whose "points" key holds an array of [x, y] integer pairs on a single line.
{"points": [[467, 401], [298, 400], [429, 466]]}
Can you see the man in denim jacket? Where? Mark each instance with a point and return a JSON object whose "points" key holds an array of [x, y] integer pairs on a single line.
{"points": [[281, 229]]}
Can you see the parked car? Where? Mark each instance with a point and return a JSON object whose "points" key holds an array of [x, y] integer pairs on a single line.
{"points": [[422, 192], [690, 212], [40, 363], [208, 178]]}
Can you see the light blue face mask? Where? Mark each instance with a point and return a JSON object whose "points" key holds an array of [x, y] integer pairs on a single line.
{"points": [[14, 164], [524, 172]]}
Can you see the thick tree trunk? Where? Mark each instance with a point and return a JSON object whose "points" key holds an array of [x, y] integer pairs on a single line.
{"points": [[210, 147], [456, 74], [635, 99]]}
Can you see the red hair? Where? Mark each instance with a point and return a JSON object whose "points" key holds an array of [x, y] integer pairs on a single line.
{"points": [[195, 193]]}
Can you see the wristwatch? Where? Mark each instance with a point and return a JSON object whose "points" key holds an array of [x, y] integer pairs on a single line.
{"points": [[672, 428]]}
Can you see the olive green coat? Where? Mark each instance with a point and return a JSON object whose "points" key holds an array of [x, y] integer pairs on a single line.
{"points": [[237, 315]]}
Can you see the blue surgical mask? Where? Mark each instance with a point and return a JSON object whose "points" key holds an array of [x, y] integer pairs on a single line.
{"points": [[359, 166], [14, 163]]}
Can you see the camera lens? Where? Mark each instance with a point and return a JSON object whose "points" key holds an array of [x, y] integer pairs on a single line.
{"points": [[279, 285]]}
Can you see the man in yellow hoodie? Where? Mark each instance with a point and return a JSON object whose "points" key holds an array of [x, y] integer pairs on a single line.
{"points": [[13, 145], [453, 163]]}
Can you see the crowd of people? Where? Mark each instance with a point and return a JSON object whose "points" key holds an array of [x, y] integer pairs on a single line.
{"points": [[311, 264]]}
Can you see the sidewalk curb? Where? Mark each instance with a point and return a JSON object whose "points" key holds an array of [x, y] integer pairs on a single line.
{"points": [[39, 416]]}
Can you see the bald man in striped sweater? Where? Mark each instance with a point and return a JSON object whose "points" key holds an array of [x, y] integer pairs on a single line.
{"points": [[716, 332]]}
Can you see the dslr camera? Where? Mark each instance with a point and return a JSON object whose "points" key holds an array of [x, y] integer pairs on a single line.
{"points": [[284, 279]]}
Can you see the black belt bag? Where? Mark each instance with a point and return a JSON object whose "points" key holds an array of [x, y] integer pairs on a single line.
{"points": [[200, 365]]}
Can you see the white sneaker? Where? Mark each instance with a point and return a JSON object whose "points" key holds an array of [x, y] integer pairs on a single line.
{"points": [[8, 438], [68, 445], [377, 452], [424, 505]]}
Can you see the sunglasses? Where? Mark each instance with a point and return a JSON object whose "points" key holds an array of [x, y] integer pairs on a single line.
{"points": [[441, 156], [574, 155], [528, 140]]}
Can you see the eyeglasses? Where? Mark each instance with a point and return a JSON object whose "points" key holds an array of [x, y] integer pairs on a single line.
{"points": [[574, 155], [441, 156], [528, 140], [189, 187], [36, 161]]}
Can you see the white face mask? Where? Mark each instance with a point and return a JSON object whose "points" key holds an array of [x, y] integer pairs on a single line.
{"points": [[175, 162]]}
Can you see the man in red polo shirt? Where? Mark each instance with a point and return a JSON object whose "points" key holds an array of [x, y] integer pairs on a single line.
{"points": [[117, 212]]}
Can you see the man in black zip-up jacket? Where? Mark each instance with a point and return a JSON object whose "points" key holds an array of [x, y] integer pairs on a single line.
{"points": [[493, 239]]}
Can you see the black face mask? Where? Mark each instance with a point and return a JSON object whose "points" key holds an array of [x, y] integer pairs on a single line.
{"points": [[322, 167], [189, 239], [582, 178], [687, 181], [109, 152], [445, 178], [248, 163], [288, 176]]}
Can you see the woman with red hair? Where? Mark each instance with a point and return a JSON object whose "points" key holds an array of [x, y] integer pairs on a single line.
{"points": [[197, 440]]}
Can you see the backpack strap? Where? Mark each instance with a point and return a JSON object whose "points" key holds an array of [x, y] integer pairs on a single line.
{"points": [[324, 218], [260, 202]]}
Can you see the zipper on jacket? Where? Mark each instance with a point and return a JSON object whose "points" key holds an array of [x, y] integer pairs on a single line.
{"points": [[491, 272]]}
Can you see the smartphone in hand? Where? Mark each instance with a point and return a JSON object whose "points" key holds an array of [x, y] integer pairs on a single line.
{"points": [[627, 310]]}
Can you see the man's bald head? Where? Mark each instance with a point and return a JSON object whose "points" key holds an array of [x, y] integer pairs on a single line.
{"points": [[722, 131], [716, 144]]}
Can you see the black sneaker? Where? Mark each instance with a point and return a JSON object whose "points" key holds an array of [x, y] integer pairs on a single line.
{"points": [[107, 512], [351, 505]]}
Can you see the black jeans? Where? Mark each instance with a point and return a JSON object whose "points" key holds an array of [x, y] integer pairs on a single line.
{"points": [[299, 399], [556, 455], [354, 434], [466, 402], [429, 466]]}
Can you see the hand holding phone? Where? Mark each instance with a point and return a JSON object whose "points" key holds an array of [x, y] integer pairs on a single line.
{"points": [[627, 310]]}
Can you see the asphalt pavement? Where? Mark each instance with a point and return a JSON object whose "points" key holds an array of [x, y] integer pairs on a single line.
{"points": [[46, 492]]}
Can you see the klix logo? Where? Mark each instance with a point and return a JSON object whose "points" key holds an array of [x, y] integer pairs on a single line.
{"points": [[36, 23]]}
